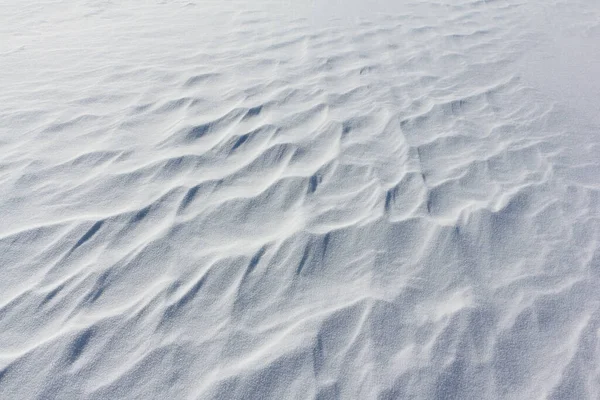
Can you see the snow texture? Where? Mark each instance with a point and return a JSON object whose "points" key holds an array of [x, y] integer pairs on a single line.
{"points": [[300, 200]]}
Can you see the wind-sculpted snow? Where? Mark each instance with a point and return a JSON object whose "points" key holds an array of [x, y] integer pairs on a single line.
{"points": [[271, 200]]}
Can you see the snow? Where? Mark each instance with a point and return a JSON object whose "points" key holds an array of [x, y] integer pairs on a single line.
{"points": [[300, 200]]}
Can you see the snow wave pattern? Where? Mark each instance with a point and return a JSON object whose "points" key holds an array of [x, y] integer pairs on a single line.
{"points": [[237, 202]]}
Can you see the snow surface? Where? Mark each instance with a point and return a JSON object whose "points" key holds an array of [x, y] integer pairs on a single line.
{"points": [[300, 200]]}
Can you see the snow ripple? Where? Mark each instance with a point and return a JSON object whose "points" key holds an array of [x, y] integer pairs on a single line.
{"points": [[202, 200]]}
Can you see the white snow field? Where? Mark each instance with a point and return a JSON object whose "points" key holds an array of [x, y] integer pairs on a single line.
{"points": [[279, 200]]}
